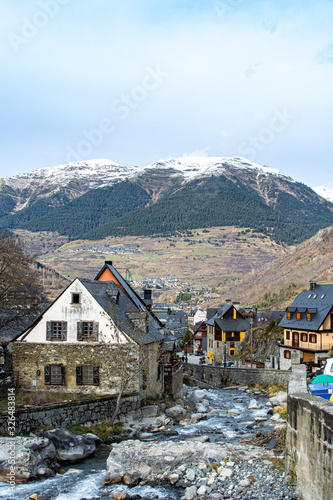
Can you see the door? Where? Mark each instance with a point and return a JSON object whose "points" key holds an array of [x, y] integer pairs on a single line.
{"points": [[295, 339]]}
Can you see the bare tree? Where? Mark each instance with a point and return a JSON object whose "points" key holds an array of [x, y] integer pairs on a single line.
{"points": [[20, 288], [136, 359]]}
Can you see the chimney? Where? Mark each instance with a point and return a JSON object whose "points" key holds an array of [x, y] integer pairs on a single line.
{"points": [[227, 301], [147, 299], [108, 262], [313, 284]]}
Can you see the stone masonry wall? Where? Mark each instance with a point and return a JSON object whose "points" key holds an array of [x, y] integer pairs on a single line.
{"points": [[173, 381], [29, 358], [87, 412], [217, 376], [309, 453]]}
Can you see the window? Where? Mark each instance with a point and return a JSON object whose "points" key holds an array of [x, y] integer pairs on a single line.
{"points": [[87, 375], [54, 375], [56, 330], [232, 352], [217, 345], [313, 338], [87, 330], [304, 337], [288, 314], [308, 316], [218, 334], [287, 334], [210, 343], [287, 354], [76, 298], [298, 315]]}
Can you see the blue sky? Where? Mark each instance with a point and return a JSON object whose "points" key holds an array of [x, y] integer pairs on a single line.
{"points": [[136, 81]]}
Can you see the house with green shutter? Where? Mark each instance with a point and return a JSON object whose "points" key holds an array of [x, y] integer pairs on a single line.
{"points": [[76, 344]]}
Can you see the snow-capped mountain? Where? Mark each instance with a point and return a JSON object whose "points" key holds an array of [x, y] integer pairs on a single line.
{"points": [[325, 192], [63, 183], [167, 195]]}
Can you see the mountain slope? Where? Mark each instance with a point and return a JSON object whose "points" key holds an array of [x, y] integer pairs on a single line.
{"points": [[182, 194]]}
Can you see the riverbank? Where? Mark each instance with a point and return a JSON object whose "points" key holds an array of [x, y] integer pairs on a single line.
{"points": [[213, 424]]}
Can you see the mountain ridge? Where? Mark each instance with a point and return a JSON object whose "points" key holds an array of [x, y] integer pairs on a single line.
{"points": [[172, 195]]}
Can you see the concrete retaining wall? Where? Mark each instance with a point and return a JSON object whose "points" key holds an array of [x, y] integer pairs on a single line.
{"points": [[87, 412], [217, 376], [309, 456]]}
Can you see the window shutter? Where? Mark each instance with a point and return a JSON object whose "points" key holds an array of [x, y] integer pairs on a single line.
{"points": [[64, 330], [47, 375], [62, 368], [48, 330], [95, 331], [79, 330], [96, 375], [79, 375]]}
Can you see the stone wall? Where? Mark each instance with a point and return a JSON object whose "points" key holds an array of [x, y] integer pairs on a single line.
{"points": [[218, 376], [31, 358], [173, 379], [309, 455], [87, 412]]}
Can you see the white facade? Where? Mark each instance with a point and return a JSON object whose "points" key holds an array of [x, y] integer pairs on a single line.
{"points": [[199, 316], [88, 309]]}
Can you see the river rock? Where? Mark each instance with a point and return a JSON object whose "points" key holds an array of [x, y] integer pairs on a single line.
{"points": [[190, 493], [254, 405], [176, 413], [199, 394], [70, 447], [33, 456], [280, 399]]}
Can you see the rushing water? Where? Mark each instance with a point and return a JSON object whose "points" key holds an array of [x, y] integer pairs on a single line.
{"points": [[85, 484]]}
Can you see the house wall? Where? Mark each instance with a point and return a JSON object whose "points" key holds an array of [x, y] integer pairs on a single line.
{"points": [[63, 310], [324, 340], [28, 357], [153, 375], [309, 450]]}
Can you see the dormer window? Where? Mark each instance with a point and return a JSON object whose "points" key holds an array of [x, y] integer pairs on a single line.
{"points": [[298, 315], [288, 314], [308, 316], [76, 298]]}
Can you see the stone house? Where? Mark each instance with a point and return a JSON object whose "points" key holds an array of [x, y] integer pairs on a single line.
{"points": [[91, 333], [308, 327], [199, 337], [225, 329]]}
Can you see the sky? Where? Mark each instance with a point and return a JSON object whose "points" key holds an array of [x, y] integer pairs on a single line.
{"points": [[136, 81]]}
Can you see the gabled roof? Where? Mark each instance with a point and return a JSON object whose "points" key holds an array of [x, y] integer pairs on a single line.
{"points": [[233, 325], [318, 301], [219, 313], [138, 324]]}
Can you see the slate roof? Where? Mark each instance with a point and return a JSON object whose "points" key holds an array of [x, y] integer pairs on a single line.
{"points": [[318, 301], [132, 321], [228, 324]]}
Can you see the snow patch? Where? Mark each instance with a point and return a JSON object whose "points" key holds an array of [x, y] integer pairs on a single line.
{"points": [[325, 192]]}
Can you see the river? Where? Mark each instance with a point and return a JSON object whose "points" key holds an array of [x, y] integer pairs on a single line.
{"points": [[85, 482]]}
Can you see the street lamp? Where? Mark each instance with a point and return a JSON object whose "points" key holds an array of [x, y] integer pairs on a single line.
{"points": [[251, 339]]}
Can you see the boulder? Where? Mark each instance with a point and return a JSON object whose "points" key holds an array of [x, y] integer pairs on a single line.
{"points": [[199, 394], [177, 413], [280, 399], [70, 447], [201, 408], [254, 405], [33, 458]]}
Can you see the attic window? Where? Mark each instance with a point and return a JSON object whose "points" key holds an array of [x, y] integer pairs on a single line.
{"points": [[309, 296], [323, 295], [288, 315], [298, 315], [315, 295], [114, 296], [308, 316], [76, 298]]}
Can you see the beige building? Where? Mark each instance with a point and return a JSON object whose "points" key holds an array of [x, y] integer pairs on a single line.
{"points": [[308, 327]]}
